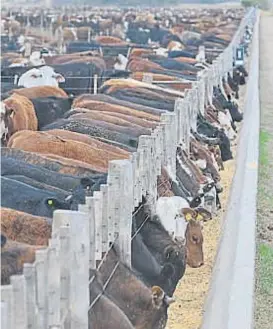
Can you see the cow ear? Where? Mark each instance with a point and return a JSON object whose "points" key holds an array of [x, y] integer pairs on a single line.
{"points": [[10, 112], [203, 214], [3, 240], [188, 213], [59, 78], [158, 295]]}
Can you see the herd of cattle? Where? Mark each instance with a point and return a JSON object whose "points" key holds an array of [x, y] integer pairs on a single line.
{"points": [[65, 116]]}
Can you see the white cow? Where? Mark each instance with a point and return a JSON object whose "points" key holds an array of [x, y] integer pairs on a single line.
{"points": [[169, 211], [225, 122], [121, 62], [43, 76]]}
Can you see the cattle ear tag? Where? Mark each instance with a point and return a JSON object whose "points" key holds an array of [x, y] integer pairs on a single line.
{"points": [[199, 217], [188, 217], [50, 202]]}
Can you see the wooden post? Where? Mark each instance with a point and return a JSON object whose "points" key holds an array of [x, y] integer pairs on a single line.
{"points": [[7, 297], [97, 196], [64, 254], [169, 143], [89, 208], [121, 172], [141, 171], [104, 235], [156, 134], [178, 110], [4, 316], [135, 173], [79, 269], [89, 34], [19, 294], [95, 84], [144, 145], [187, 125], [42, 286], [32, 311], [54, 283]]}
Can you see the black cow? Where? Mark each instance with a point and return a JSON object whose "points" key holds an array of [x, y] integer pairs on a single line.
{"points": [[49, 109], [92, 129], [146, 266], [36, 158], [160, 244], [10, 166], [23, 197], [79, 77]]}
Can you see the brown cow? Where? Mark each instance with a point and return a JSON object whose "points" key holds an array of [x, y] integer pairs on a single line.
{"points": [[106, 40], [74, 136], [145, 308], [181, 86], [17, 113], [104, 313], [54, 162], [13, 256], [127, 118], [102, 106], [199, 152], [45, 143], [41, 91], [101, 116], [25, 228]]}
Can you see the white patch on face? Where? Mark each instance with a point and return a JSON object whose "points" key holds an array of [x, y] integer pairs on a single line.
{"points": [[44, 76], [201, 163], [4, 129], [168, 210]]}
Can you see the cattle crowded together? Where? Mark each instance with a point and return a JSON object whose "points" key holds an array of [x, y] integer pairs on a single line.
{"points": [[82, 97]]}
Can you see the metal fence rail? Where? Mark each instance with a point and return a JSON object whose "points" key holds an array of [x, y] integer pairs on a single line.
{"points": [[54, 291]]}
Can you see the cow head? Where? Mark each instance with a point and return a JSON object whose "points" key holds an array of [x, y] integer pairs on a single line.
{"points": [[7, 114], [121, 62], [3, 240], [194, 236], [44, 76]]}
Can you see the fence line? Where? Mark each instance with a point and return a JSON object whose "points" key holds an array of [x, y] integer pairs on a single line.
{"points": [[53, 292]]}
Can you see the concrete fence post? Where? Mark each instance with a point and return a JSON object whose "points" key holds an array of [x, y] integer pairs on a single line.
{"points": [[32, 311], [7, 298], [18, 284], [89, 208]]}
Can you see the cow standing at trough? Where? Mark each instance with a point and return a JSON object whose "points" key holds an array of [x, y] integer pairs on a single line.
{"points": [[65, 117]]}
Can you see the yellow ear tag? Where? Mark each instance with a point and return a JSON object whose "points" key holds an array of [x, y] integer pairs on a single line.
{"points": [[50, 202], [188, 217], [199, 217]]}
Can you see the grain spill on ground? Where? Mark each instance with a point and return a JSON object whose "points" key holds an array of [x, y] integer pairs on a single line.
{"points": [[190, 294]]}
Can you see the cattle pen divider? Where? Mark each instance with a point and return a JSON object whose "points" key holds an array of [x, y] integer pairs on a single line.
{"points": [[53, 292]]}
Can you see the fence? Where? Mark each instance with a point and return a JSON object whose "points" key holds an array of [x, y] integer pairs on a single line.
{"points": [[230, 299], [53, 292]]}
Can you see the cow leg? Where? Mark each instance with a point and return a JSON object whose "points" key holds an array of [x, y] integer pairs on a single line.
{"points": [[218, 203]]}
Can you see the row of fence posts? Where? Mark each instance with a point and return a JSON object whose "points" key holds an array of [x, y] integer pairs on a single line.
{"points": [[53, 292]]}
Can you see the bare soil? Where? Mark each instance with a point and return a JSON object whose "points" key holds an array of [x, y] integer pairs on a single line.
{"points": [[264, 236]]}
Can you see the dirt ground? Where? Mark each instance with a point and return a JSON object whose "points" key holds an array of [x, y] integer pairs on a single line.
{"points": [[264, 254], [190, 294]]}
